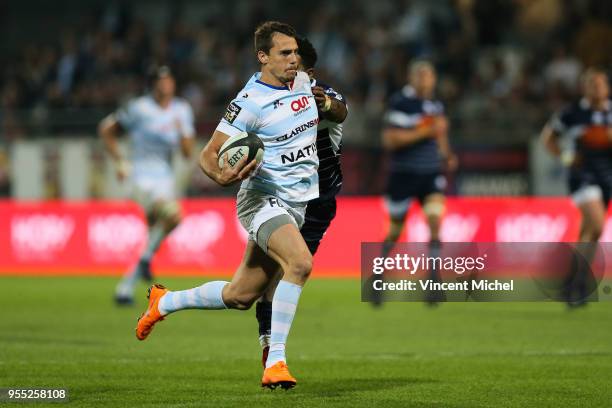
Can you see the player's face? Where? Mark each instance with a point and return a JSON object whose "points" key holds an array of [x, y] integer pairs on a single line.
{"points": [[165, 86], [423, 80], [282, 61], [596, 87], [309, 71]]}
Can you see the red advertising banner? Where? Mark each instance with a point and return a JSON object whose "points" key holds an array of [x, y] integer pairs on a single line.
{"points": [[106, 237]]}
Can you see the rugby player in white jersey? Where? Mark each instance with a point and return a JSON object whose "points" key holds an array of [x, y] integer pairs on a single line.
{"points": [[157, 124], [321, 211], [278, 106]]}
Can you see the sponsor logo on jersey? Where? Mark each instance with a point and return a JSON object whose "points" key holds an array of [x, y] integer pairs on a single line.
{"points": [[232, 112], [299, 154], [300, 104], [298, 130]]}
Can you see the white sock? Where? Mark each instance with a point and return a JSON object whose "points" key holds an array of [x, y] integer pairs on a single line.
{"points": [[284, 305], [207, 296], [157, 234]]}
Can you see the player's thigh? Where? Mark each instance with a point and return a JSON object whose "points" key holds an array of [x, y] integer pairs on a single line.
{"points": [[399, 195], [593, 214], [589, 198], [434, 204], [287, 247], [252, 277], [156, 197], [319, 215]]}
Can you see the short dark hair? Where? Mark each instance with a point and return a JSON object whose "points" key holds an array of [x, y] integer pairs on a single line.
{"points": [[155, 72], [264, 32], [307, 53]]}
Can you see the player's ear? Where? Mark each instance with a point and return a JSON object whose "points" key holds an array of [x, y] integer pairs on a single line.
{"points": [[310, 72], [262, 57]]}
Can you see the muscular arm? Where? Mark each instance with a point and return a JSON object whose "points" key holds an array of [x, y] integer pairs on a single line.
{"points": [[187, 147], [337, 110], [395, 138], [109, 129], [550, 139], [209, 159], [186, 139], [441, 134]]}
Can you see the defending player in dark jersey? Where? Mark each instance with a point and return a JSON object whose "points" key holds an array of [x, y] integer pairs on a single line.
{"points": [[416, 134], [581, 136], [321, 211]]}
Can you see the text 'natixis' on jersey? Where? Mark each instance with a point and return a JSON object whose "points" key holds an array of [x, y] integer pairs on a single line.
{"points": [[298, 130], [299, 154]]}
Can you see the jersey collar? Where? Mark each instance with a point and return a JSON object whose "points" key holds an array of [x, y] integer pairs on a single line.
{"points": [[408, 91], [278, 88]]}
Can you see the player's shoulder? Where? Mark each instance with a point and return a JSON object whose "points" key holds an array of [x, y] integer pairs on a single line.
{"points": [[252, 95], [134, 105], [573, 109], [405, 99]]}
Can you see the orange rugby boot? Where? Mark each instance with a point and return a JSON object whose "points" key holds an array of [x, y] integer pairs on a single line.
{"points": [[278, 375], [151, 315]]}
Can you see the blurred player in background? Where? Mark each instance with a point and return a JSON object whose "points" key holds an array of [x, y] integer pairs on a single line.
{"points": [[416, 133], [581, 136], [277, 105], [157, 124], [321, 211]]}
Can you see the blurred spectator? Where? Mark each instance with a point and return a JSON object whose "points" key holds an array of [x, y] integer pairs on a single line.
{"points": [[563, 70], [491, 55]]}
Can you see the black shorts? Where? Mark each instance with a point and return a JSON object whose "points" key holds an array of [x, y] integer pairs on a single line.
{"points": [[582, 179], [405, 186], [401, 186], [319, 214]]}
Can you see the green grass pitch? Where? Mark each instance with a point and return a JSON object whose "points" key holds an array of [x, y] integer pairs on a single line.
{"points": [[65, 332]]}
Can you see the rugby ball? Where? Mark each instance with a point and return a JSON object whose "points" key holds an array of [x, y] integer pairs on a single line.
{"points": [[243, 144]]}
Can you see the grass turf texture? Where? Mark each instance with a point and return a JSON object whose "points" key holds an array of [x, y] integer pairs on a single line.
{"points": [[65, 332]]}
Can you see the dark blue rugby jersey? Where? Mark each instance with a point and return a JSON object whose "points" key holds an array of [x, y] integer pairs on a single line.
{"points": [[407, 111], [586, 128], [329, 147]]}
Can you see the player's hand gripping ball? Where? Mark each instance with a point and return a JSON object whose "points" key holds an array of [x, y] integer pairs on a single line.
{"points": [[243, 144]]}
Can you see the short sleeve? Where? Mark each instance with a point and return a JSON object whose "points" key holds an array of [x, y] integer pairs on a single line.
{"points": [[241, 115], [398, 114], [560, 121], [127, 115], [332, 93]]}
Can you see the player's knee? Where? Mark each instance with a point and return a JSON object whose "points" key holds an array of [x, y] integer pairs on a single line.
{"points": [[392, 236], [593, 232], [434, 210], [174, 220], [395, 230], [239, 301], [301, 267], [170, 213], [244, 302]]}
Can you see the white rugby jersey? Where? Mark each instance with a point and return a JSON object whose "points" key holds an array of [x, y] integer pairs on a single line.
{"points": [[154, 133], [285, 119]]}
